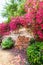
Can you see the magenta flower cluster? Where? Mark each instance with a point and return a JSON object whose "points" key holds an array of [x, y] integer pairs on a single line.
{"points": [[21, 20], [38, 28], [14, 24], [4, 28], [33, 17]]}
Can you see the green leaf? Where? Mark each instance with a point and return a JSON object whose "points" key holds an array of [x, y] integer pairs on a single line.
{"points": [[7, 43]]}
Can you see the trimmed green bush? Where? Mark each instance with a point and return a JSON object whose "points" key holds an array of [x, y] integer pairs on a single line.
{"points": [[7, 43], [35, 53]]}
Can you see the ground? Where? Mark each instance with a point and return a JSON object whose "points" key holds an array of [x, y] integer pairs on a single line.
{"points": [[14, 56]]}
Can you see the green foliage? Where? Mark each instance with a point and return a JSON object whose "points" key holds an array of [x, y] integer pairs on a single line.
{"points": [[35, 53], [9, 10], [32, 41], [7, 43], [14, 8]]}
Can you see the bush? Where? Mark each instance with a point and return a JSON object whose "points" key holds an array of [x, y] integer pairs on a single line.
{"points": [[32, 41], [35, 53], [7, 43], [38, 27], [4, 27]]}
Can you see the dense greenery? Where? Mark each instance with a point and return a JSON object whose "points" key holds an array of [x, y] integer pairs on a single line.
{"points": [[13, 8], [7, 43], [35, 53]]}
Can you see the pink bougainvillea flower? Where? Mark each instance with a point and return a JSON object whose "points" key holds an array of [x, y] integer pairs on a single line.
{"points": [[40, 34], [39, 16], [40, 12], [41, 4], [4, 27], [41, 26], [39, 21], [29, 17], [12, 25], [22, 21], [17, 21], [31, 4]]}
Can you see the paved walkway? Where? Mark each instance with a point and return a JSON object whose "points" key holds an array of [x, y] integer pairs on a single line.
{"points": [[12, 57]]}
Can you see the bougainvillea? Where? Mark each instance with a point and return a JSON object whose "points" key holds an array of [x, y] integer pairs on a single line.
{"points": [[12, 25], [4, 27], [38, 30], [21, 20], [34, 17], [32, 4]]}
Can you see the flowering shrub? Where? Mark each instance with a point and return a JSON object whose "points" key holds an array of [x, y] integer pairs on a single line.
{"points": [[12, 25], [38, 28], [34, 17], [32, 4], [21, 20], [4, 27]]}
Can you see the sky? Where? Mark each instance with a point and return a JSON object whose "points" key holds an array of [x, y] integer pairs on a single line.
{"points": [[2, 3]]}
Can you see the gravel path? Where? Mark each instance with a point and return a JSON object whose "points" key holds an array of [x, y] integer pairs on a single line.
{"points": [[12, 57]]}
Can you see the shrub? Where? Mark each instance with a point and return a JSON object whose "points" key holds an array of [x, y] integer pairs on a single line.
{"points": [[16, 22], [7, 43], [4, 27], [32, 4], [38, 28], [32, 40], [35, 10], [36, 19], [12, 25], [35, 53]]}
